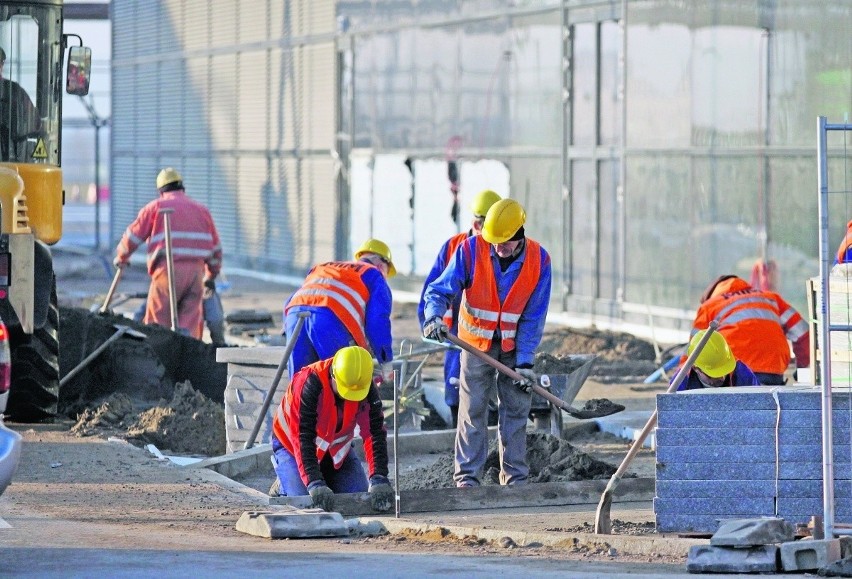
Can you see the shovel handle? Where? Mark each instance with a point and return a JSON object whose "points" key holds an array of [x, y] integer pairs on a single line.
{"points": [[508, 372], [112, 288]]}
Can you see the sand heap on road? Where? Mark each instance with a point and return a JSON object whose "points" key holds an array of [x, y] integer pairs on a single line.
{"points": [[550, 460]]}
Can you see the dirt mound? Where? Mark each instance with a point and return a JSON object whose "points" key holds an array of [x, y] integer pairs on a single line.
{"points": [[550, 460], [143, 369], [187, 423]]}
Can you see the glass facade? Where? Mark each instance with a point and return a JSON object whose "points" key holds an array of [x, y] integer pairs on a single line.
{"points": [[711, 105]]}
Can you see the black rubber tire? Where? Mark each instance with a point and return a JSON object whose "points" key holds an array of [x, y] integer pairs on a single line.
{"points": [[35, 369]]}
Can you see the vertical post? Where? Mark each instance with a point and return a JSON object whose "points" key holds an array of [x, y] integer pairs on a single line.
{"points": [[170, 265]]}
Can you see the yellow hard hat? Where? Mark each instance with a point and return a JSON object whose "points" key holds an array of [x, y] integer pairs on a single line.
{"points": [[352, 369], [503, 220], [716, 359], [166, 176], [483, 202], [381, 249]]}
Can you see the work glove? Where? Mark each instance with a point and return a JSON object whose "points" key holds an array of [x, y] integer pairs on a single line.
{"points": [[322, 497], [381, 493], [209, 288], [435, 329], [530, 378], [119, 263]]}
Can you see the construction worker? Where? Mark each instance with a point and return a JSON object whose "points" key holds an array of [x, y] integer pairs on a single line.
{"points": [[196, 254], [716, 366], [479, 206], [844, 251], [312, 432], [19, 117], [756, 325], [212, 311], [349, 303], [505, 280]]}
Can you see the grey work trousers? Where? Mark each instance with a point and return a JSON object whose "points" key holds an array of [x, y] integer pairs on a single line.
{"points": [[478, 381]]}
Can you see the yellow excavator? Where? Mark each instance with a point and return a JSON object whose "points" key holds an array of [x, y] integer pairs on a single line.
{"points": [[33, 50]]}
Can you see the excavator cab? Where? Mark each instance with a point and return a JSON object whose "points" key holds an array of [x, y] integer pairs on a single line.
{"points": [[32, 51]]}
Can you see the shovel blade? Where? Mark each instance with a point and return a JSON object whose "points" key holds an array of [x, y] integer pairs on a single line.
{"points": [[597, 408]]}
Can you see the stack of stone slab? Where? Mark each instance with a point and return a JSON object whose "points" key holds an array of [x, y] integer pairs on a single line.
{"points": [[761, 545], [733, 453], [840, 303]]}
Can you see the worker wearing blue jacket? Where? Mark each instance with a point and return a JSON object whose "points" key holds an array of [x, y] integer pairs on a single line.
{"points": [[480, 206], [716, 366], [349, 304], [505, 279]]}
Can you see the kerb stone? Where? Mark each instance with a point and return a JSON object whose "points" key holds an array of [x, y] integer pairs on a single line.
{"points": [[296, 524], [752, 532], [809, 555], [710, 559]]}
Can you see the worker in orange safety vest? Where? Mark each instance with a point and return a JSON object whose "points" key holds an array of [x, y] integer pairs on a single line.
{"points": [[313, 430], [196, 253], [844, 250], [756, 325], [349, 304], [479, 206], [504, 278]]}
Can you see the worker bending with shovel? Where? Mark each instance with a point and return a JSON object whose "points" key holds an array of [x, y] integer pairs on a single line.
{"points": [[196, 253], [349, 302], [504, 278], [314, 426], [716, 366]]}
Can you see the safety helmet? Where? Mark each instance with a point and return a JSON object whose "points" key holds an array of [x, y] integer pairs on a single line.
{"points": [[716, 359], [352, 368], [167, 176], [483, 202], [503, 220], [381, 249]]}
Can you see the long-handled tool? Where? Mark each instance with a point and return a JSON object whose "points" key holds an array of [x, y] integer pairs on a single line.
{"points": [[604, 410], [121, 330], [105, 307], [170, 266], [282, 365], [603, 524]]}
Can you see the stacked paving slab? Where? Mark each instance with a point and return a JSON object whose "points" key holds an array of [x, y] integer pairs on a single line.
{"points": [[734, 453]]}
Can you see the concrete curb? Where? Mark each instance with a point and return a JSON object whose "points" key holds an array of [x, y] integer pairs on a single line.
{"points": [[623, 544]]}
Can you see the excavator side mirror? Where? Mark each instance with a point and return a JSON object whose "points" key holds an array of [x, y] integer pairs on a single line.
{"points": [[79, 70]]}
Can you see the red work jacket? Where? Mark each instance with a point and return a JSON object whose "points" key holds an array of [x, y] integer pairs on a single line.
{"points": [[481, 311]]}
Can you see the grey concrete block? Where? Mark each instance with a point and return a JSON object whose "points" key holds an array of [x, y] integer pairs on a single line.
{"points": [[715, 471], [754, 419], [716, 399], [841, 568], [710, 559], [707, 523], [292, 524], [792, 489], [813, 506], [753, 532], [748, 453], [714, 436], [718, 506], [809, 555], [698, 489]]}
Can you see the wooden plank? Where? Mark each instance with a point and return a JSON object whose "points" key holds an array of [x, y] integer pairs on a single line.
{"points": [[587, 492]]}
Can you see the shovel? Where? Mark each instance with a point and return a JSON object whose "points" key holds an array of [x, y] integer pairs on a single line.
{"points": [[120, 331], [605, 410], [603, 524], [105, 307]]}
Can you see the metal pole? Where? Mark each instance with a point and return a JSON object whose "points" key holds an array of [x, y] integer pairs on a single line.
{"points": [[97, 186], [170, 266], [825, 345]]}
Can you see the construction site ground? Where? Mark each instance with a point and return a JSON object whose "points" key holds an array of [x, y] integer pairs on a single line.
{"points": [[100, 487]]}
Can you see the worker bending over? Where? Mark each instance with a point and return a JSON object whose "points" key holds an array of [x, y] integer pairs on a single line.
{"points": [[314, 426], [480, 206], [505, 279], [716, 366], [756, 325], [349, 303]]}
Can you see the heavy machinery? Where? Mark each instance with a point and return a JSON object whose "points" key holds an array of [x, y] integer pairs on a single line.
{"points": [[31, 195]]}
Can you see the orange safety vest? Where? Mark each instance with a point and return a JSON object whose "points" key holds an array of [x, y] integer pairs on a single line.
{"points": [[481, 311], [338, 286], [756, 324], [330, 439], [453, 244]]}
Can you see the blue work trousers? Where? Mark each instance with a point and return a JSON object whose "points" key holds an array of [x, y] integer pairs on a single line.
{"points": [[349, 478], [322, 335]]}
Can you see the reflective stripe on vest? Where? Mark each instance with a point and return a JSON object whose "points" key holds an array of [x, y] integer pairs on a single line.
{"points": [[328, 440], [481, 311], [339, 287]]}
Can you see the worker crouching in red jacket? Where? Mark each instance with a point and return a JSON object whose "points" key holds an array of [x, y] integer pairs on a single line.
{"points": [[315, 425]]}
